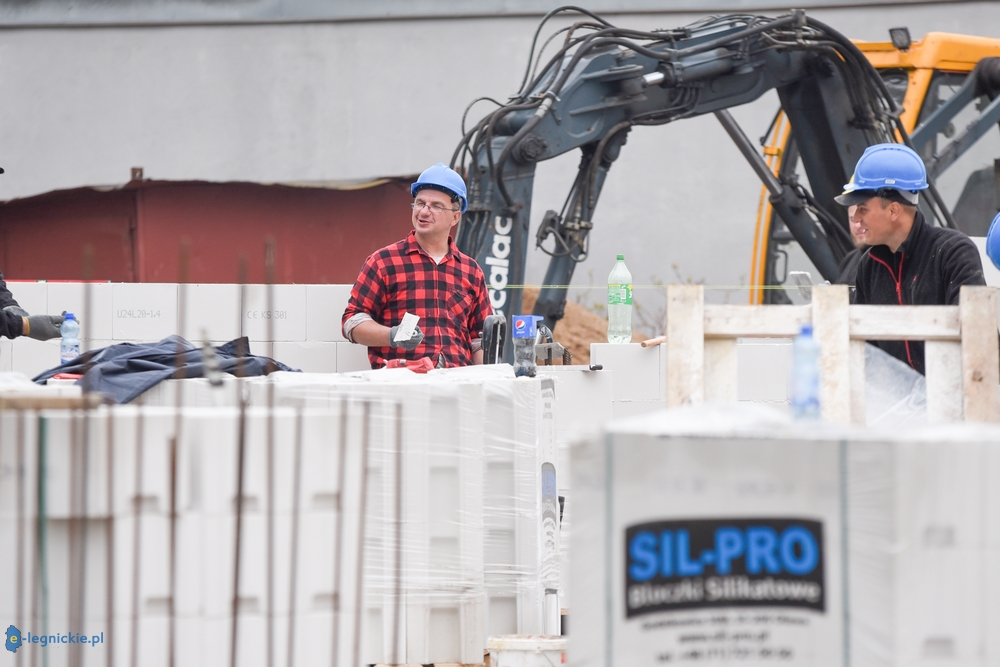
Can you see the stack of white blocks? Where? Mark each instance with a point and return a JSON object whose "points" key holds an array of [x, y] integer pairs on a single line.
{"points": [[516, 445], [473, 444], [915, 512], [583, 405], [306, 320], [924, 522], [499, 422], [205, 531], [638, 376]]}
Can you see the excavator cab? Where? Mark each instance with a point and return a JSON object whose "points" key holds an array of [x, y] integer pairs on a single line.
{"points": [[949, 88]]}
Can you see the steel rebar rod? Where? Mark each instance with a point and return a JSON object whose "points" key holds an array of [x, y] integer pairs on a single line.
{"points": [[338, 539], [136, 535], [110, 544], [398, 560], [359, 574], [269, 271], [21, 474], [238, 538], [294, 556]]}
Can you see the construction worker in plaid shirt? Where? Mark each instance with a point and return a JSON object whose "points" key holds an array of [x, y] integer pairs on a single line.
{"points": [[424, 274]]}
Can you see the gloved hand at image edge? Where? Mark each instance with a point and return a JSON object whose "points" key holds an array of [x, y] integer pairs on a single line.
{"points": [[410, 343], [42, 327], [16, 310]]}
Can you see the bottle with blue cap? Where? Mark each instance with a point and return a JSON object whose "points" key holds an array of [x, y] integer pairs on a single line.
{"points": [[69, 347], [804, 387], [525, 330]]}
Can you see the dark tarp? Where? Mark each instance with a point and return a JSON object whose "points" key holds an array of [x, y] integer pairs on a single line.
{"points": [[126, 370]]}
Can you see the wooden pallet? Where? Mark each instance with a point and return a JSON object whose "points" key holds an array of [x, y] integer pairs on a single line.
{"points": [[960, 350]]}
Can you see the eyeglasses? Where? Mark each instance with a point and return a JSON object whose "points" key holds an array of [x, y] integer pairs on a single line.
{"points": [[434, 208]]}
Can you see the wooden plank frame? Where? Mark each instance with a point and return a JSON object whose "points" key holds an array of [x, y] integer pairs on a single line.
{"points": [[962, 348]]}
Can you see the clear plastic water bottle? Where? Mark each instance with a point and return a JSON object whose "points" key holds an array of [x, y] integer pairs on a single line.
{"points": [[620, 303], [524, 333], [69, 348], [804, 390]]}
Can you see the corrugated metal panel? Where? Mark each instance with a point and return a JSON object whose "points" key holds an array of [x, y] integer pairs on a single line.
{"points": [[322, 235], [83, 13]]}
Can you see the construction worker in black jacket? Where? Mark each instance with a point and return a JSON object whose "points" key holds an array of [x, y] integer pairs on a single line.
{"points": [[910, 262], [15, 321]]}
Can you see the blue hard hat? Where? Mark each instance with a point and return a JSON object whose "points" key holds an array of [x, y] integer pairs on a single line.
{"points": [[993, 242], [442, 177], [886, 167]]}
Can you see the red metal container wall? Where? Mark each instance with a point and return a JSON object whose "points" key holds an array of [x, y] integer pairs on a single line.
{"points": [[322, 235]]}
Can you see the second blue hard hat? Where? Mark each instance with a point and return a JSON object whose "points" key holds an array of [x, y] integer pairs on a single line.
{"points": [[886, 167], [442, 177], [993, 242]]}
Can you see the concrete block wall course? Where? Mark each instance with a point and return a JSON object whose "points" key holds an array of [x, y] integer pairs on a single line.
{"points": [[637, 371], [325, 306], [33, 296], [287, 313], [213, 310], [143, 311], [31, 357], [352, 357], [71, 297], [96, 344], [311, 357], [306, 320]]}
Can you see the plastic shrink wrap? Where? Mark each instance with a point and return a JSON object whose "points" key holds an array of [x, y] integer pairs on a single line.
{"points": [[453, 472], [474, 442], [119, 526]]}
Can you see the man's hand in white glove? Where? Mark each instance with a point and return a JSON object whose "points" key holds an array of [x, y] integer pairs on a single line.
{"points": [[410, 343]]}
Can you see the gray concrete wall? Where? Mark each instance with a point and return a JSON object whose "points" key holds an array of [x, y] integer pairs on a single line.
{"points": [[347, 100]]}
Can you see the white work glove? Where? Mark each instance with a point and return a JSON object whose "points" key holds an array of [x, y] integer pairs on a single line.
{"points": [[408, 344]]}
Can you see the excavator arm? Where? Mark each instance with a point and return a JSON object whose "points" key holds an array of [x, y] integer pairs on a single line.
{"points": [[606, 80]]}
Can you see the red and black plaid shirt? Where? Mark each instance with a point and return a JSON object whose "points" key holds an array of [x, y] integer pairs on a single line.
{"points": [[450, 298]]}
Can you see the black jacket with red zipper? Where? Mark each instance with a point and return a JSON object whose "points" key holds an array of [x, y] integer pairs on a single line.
{"points": [[927, 269]]}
